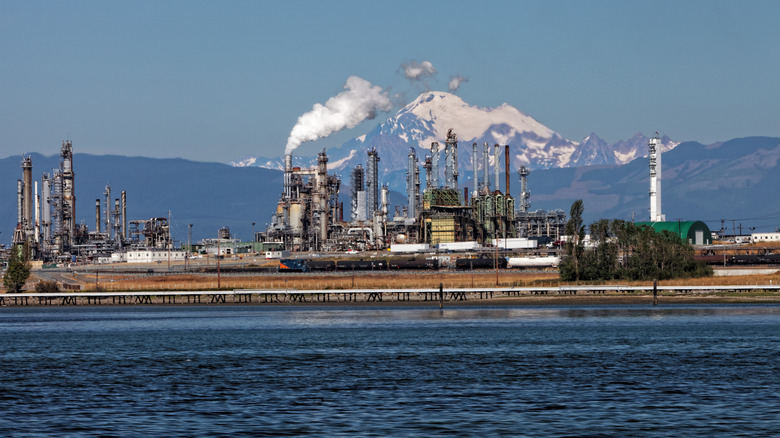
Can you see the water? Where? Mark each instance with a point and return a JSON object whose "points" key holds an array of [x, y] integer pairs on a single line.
{"points": [[254, 371]]}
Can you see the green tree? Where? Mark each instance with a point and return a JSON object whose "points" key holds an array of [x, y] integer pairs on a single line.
{"points": [[604, 256], [18, 268], [575, 231], [623, 250]]}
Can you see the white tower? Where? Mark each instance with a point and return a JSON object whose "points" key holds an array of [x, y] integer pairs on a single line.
{"points": [[655, 180]]}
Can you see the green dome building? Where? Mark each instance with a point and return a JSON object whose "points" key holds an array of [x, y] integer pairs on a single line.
{"points": [[694, 232]]}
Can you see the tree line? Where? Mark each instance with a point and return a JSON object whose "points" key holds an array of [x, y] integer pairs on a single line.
{"points": [[621, 250]]}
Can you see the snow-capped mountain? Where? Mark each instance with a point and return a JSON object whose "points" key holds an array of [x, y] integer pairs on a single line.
{"points": [[432, 114]]}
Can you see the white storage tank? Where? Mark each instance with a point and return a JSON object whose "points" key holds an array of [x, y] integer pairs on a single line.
{"points": [[459, 246], [410, 247], [533, 262]]}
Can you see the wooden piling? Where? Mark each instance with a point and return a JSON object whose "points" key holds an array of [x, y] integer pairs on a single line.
{"points": [[655, 292]]}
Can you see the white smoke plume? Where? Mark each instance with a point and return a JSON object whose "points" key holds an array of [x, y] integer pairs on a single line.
{"points": [[455, 83], [358, 102], [415, 71]]}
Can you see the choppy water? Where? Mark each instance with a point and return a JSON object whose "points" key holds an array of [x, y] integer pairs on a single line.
{"points": [[226, 371]]}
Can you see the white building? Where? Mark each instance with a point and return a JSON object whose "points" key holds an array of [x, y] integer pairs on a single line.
{"points": [[765, 237], [153, 255]]}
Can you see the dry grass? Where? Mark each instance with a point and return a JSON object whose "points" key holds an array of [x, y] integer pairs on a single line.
{"points": [[367, 280], [320, 281]]}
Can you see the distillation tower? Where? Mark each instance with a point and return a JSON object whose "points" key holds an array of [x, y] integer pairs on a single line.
{"points": [[655, 180]]}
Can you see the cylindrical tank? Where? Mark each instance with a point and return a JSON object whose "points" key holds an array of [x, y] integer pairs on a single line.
{"points": [[379, 236], [400, 238], [384, 195], [296, 217]]}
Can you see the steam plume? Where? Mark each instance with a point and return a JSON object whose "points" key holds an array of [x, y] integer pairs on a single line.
{"points": [[358, 102], [415, 71], [455, 82]]}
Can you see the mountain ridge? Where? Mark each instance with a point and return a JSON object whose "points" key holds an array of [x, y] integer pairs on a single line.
{"points": [[731, 180], [431, 114]]}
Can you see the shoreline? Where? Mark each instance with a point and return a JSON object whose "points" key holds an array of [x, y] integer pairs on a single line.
{"points": [[500, 301]]}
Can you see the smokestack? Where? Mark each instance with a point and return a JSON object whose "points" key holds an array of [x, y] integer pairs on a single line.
{"points": [[485, 168], [37, 214], [97, 215], [46, 208], [124, 215], [435, 164], [465, 196], [428, 177], [496, 168], [27, 218], [107, 207], [410, 186], [416, 186], [287, 177], [475, 165], [117, 232], [19, 203], [506, 168]]}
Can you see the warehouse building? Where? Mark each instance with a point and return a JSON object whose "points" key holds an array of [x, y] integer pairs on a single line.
{"points": [[694, 232]]}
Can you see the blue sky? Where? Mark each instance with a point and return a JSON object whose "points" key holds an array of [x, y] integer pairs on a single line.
{"points": [[219, 81]]}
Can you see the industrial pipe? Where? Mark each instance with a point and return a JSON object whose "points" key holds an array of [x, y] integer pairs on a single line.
{"points": [[506, 168]]}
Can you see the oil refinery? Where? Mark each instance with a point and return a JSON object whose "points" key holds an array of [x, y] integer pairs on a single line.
{"points": [[46, 221], [310, 217], [439, 214]]}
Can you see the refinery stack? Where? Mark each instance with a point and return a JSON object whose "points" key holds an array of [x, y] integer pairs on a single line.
{"points": [[310, 217], [46, 222]]}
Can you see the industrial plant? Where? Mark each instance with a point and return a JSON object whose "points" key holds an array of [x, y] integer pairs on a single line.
{"points": [[439, 214], [442, 214], [46, 221]]}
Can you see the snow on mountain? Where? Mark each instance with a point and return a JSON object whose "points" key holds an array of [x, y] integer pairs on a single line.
{"points": [[432, 114], [246, 162]]}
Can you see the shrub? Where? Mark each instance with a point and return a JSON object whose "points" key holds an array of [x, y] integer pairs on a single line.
{"points": [[44, 286]]}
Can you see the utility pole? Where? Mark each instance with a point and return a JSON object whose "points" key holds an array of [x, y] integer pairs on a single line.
{"points": [[189, 245]]}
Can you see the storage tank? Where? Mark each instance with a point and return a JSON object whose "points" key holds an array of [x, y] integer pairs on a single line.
{"points": [[533, 262], [296, 217]]}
